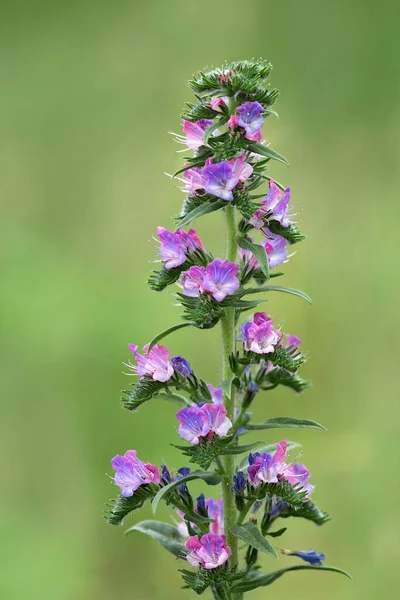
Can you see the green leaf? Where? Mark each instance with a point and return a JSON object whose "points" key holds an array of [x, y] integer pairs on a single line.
{"points": [[271, 448], [199, 211], [239, 449], [250, 534], [280, 288], [208, 477], [257, 579], [266, 151], [285, 423], [308, 511], [166, 332], [258, 251], [278, 533], [167, 535]]}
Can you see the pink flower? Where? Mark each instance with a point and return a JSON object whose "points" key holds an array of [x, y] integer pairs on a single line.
{"points": [[195, 180], [217, 103], [260, 336], [198, 422], [192, 281], [298, 473], [240, 168], [275, 205], [251, 120], [266, 468], [215, 509], [209, 552], [154, 364], [275, 247], [195, 132], [221, 279], [217, 394], [132, 472]]}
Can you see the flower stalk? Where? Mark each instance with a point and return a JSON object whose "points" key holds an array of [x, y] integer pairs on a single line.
{"points": [[223, 131]]}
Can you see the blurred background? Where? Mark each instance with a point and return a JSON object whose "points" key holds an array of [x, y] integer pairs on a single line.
{"points": [[89, 93]]}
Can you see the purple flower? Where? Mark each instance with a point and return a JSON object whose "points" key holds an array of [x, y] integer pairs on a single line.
{"points": [[310, 556], [298, 473], [181, 366], [197, 422], [239, 483], [194, 180], [292, 341], [275, 247], [217, 394], [131, 473], [275, 205], [260, 336], [221, 279], [155, 363], [218, 103], [175, 246], [195, 132], [215, 510], [209, 552], [192, 281], [250, 118], [266, 468], [172, 251], [193, 425], [240, 168], [220, 180]]}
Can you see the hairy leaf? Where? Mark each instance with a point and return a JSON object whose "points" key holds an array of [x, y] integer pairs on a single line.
{"points": [[121, 507], [250, 534], [258, 251], [257, 579], [285, 423], [168, 331], [280, 288], [266, 151], [199, 211], [167, 535]]}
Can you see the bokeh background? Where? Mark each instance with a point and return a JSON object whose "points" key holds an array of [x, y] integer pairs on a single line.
{"points": [[89, 93]]}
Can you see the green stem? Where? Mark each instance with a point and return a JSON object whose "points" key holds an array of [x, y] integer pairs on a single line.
{"points": [[228, 343]]}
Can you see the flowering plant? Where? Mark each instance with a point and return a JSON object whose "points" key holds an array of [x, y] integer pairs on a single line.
{"points": [[220, 539]]}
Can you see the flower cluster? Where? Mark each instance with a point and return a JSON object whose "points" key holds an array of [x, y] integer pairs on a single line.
{"points": [[275, 247], [260, 335], [274, 207], [154, 363], [219, 278]]}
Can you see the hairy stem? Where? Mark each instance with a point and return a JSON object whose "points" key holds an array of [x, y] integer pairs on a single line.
{"points": [[228, 342]]}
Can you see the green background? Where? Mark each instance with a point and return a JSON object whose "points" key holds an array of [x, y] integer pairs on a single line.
{"points": [[89, 93]]}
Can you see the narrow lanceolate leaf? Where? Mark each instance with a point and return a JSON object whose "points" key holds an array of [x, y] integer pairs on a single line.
{"points": [[121, 506], [167, 332], [239, 449], [271, 448], [280, 288], [258, 251], [199, 211], [250, 534], [167, 535], [208, 477], [267, 152], [210, 130], [257, 579], [285, 423]]}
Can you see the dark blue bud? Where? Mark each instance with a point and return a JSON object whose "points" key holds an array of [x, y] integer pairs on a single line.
{"points": [[253, 387], [165, 474], [252, 457], [310, 556], [256, 506], [239, 482], [181, 366], [182, 489], [201, 504]]}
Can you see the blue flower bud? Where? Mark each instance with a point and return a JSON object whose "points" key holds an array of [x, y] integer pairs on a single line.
{"points": [[181, 366], [239, 482], [311, 556]]}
